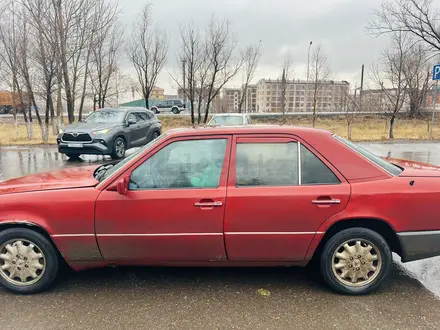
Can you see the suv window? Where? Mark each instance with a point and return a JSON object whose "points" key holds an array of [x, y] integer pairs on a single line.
{"points": [[132, 116], [141, 116], [314, 171], [182, 164], [267, 164], [150, 115]]}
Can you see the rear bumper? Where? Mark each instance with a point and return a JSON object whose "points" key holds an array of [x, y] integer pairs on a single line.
{"points": [[419, 244], [95, 148]]}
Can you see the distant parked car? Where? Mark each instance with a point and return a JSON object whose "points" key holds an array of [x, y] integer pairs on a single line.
{"points": [[109, 132], [230, 119], [174, 106]]}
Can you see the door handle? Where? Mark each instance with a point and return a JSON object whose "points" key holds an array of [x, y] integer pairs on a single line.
{"points": [[326, 201], [207, 204]]}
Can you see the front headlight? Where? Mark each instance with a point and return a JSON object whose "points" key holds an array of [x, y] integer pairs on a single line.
{"points": [[103, 131]]}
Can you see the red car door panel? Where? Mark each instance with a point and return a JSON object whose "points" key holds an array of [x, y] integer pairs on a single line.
{"points": [[275, 223], [173, 224]]}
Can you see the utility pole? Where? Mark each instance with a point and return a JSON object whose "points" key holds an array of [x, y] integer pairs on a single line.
{"points": [[434, 102], [362, 88]]}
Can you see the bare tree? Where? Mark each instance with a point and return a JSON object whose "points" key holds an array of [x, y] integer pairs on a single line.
{"points": [[192, 58], [147, 51], [320, 74], [106, 51], [350, 106], [417, 18], [389, 75], [222, 65], [9, 30], [417, 72], [251, 57]]}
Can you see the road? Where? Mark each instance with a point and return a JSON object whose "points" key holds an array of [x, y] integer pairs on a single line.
{"points": [[195, 298]]}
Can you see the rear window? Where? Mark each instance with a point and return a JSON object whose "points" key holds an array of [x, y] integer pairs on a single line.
{"points": [[389, 167]]}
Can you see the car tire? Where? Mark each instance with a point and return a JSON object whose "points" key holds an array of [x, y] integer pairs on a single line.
{"points": [[154, 109], [42, 259], [175, 110], [119, 148], [73, 156], [155, 135], [355, 261]]}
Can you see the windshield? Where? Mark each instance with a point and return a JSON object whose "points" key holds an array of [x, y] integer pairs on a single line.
{"points": [[389, 167], [106, 117], [226, 120], [119, 165]]}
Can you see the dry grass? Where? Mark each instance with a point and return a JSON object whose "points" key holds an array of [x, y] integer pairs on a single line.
{"points": [[364, 129]]}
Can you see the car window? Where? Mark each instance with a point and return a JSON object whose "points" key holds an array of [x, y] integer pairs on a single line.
{"points": [[132, 116], [390, 168], [314, 171], [140, 116], [226, 120], [267, 164], [105, 117], [150, 115], [182, 164]]}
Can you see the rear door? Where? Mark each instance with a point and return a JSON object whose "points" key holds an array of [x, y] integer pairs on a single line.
{"points": [[134, 131], [279, 192]]}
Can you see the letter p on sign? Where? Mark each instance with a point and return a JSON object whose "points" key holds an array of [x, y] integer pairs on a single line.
{"points": [[436, 72]]}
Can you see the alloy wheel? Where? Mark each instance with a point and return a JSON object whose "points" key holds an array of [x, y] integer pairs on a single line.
{"points": [[356, 262], [22, 262]]}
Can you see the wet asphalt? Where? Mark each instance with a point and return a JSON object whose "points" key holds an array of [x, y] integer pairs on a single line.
{"points": [[219, 298]]}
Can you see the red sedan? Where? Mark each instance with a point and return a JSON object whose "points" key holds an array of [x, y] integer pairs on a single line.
{"points": [[237, 196]]}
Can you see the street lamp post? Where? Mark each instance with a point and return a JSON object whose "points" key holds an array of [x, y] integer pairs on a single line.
{"points": [[307, 82]]}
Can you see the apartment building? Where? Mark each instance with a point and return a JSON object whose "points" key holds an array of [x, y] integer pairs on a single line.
{"points": [[379, 100], [299, 95], [232, 97], [250, 100]]}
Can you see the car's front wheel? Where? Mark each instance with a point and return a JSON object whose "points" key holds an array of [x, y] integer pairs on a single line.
{"points": [[175, 110], [355, 261], [119, 148], [28, 261]]}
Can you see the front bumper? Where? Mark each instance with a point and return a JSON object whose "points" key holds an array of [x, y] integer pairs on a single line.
{"points": [[419, 244], [96, 147]]}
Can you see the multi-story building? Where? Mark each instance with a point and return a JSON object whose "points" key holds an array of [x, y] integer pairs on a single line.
{"points": [[381, 100], [299, 95], [232, 98], [250, 100]]}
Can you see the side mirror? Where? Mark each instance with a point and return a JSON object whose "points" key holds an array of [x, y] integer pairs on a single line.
{"points": [[131, 121], [122, 186]]}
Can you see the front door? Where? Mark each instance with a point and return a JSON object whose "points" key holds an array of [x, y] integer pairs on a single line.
{"points": [[173, 210], [279, 192]]}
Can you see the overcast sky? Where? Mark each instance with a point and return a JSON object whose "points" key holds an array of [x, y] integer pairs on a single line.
{"points": [[283, 26]]}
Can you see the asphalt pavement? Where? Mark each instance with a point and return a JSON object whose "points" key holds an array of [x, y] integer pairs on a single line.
{"points": [[219, 298]]}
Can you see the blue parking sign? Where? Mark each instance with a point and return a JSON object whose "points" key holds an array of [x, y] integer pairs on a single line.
{"points": [[436, 72]]}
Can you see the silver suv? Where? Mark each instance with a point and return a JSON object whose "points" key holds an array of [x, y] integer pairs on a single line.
{"points": [[174, 106]]}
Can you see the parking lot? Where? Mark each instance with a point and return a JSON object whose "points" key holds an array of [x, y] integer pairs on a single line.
{"points": [[220, 298]]}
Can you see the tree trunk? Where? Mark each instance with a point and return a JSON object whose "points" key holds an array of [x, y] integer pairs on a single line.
{"points": [[192, 111], [391, 135], [83, 94], [63, 51], [60, 123], [349, 131]]}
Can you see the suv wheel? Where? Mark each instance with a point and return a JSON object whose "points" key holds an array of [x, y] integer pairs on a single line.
{"points": [[175, 110], [355, 261], [155, 135], [28, 261], [154, 109], [119, 148]]}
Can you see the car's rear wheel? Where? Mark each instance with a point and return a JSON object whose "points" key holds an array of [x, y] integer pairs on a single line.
{"points": [[155, 110], [28, 261], [355, 261], [119, 148], [175, 110], [155, 135]]}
